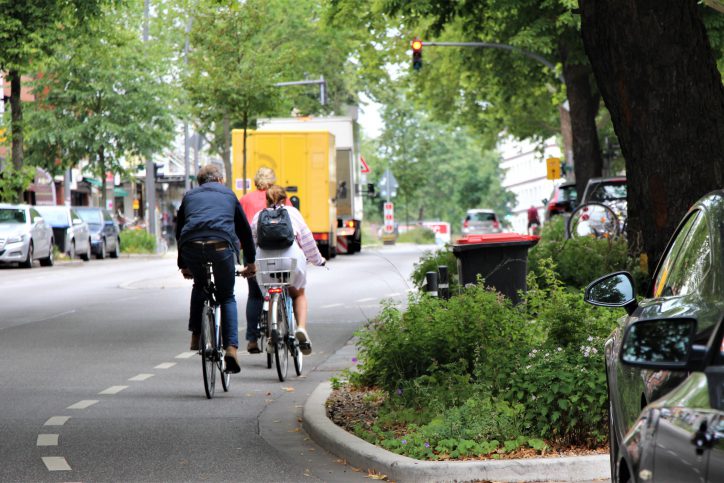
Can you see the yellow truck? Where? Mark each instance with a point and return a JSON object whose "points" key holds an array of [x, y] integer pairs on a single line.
{"points": [[305, 165]]}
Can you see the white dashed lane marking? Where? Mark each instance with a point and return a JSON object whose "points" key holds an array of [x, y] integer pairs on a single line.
{"points": [[330, 306], [165, 365], [47, 440], [368, 299], [141, 377], [113, 390], [57, 421], [56, 463], [83, 404], [186, 355]]}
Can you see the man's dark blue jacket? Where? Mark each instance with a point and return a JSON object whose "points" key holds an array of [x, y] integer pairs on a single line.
{"points": [[212, 212]]}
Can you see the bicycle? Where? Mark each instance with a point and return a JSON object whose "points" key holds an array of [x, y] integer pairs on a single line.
{"points": [[211, 347], [595, 220], [277, 323]]}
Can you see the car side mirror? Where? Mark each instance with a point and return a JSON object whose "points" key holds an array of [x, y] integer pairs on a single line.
{"points": [[38, 219], [612, 290], [77, 221], [659, 344]]}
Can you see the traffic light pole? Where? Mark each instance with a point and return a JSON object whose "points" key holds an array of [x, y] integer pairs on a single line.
{"points": [[150, 172], [322, 87]]}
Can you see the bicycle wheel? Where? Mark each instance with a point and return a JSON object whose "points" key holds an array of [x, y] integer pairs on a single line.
{"points": [[279, 338], [594, 220], [297, 357], [208, 350], [220, 363], [263, 336]]}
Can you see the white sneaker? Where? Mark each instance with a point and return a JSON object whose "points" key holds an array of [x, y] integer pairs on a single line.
{"points": [[305, 345]]}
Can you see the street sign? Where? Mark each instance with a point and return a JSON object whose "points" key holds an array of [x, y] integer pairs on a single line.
{"points": [[553, 166], [365, 168], [389, 214], [388, 185], [441, 230]]}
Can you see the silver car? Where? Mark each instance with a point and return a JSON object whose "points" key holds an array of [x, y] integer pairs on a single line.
{"points": [[70, 232], [24, 236], [480, 221]]}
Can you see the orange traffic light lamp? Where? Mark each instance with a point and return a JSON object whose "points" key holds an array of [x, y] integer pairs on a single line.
{"points": [[416, 53]]}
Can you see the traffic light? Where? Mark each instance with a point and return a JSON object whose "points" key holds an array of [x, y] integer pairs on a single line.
{"points": [[417, 54]]}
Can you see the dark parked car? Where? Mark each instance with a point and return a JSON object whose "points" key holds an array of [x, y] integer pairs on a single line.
{"points": [[104, 231], [665, 362], [562, 200], [70, 232]]}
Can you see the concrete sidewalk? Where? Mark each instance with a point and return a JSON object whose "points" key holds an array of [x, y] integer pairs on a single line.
{"points": [[362, 454]]}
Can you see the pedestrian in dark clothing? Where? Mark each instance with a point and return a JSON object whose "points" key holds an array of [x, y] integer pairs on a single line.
{"points": [[211, 226]]}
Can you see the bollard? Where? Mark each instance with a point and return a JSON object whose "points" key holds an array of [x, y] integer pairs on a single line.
{"points": [[443, 285], [431, 278]]}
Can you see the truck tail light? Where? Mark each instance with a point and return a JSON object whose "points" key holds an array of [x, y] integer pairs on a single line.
{"points": [[496, 225], [466, 223]]}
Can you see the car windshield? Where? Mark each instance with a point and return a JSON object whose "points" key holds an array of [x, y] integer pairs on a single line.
{"points": [[609, 192], [54, 216], [92, 217], [12, 215], [482, 216]]}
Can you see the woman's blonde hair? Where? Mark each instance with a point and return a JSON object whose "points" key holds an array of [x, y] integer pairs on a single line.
{"points": [[264, 178], [275, 195]]}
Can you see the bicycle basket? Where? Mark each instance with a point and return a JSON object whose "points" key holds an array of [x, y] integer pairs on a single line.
{"points": [[273, 272]]}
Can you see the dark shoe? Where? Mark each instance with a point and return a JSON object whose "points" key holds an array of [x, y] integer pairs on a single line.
{"points": [[232, 360], [195, 341], [305, 345], [253, 347]]}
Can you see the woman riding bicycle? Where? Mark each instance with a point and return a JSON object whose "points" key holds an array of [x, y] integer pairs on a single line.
{"points": [[304, 250]]}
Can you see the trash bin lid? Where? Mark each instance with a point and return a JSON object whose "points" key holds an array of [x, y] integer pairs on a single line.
{"points": [[499, 239]]}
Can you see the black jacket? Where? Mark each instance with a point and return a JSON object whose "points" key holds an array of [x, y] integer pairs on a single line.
{"points": [[211, 211]]}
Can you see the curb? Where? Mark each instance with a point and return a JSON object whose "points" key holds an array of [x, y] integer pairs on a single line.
{"points": [[360, 453]]}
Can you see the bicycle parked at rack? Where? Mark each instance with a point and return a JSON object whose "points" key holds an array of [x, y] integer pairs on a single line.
{"points": [[210, 343], [596, 220], [277, 324]]}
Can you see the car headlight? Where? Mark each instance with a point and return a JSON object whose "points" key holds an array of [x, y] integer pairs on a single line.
{"points": [[15, 239]]}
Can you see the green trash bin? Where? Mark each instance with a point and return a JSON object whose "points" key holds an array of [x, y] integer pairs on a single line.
{"points": [[500, 258]]}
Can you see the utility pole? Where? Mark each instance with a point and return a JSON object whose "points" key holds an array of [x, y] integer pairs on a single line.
{"points": [[150, 172]]}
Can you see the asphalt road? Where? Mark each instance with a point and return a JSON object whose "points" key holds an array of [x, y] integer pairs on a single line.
{"points": [[97, 383]]}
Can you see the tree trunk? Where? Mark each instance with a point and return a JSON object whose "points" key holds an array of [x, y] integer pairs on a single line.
{"points": [[102, 165], [16, 119], [658, 77], [227, 151], [583, 99]]}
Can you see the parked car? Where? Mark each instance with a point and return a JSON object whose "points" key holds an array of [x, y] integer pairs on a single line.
{"points": [[665, 362], [104, 231], [480, 221], [70, 232], [24, 236], [562, 200], [605, 190]]}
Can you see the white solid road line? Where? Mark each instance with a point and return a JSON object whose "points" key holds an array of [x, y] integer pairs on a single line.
{"points": [[330, 306], [141, 377], [165, 365], [56, 463], [83, 404], [47, 440], [186, 355], [57, 421], [113, 390]]}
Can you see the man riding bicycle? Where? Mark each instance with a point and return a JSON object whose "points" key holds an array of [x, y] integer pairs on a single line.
{"points": [[210, 225]]}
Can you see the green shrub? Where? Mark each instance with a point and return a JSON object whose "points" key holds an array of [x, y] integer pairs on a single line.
{"points": [[429, 262], [138, 241], [420, 235]]}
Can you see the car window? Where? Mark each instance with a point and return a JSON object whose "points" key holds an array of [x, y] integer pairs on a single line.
{"points": [[90, 216], [569, 194], [483, 216], [688, 262], [55, 216], [12, 215], [608, 192], [34, 214], [107, 217]]}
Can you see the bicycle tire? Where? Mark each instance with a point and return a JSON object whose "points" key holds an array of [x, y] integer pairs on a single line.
{"points": [[279, 338], [595, 220], [208, 350], [263, 336], [220, 363], [292, 342]]}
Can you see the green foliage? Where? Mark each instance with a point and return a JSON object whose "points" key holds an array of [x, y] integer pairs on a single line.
{"points": [[14, 181], [430, 261], [421, 236], [138, 241]]}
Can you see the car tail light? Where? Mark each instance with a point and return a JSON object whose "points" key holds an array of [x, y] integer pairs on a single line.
{"points": [[466, 223]]}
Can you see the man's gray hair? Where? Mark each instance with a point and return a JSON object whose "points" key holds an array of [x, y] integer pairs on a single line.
{"points": [[209, 173]]}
